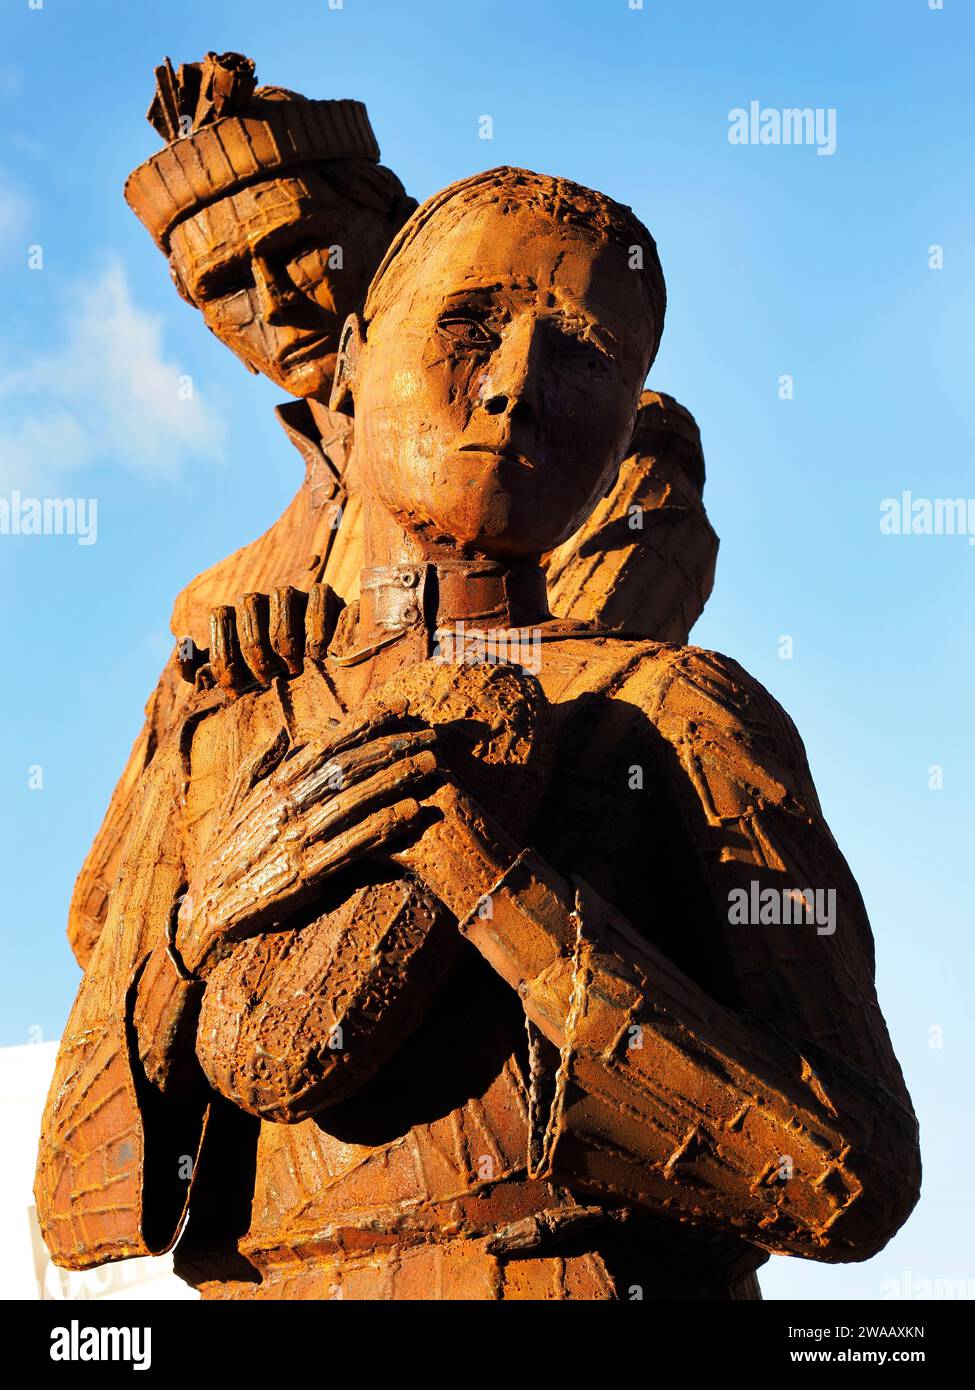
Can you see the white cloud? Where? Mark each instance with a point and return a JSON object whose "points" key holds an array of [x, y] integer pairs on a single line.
{"points": [[107, 395]]}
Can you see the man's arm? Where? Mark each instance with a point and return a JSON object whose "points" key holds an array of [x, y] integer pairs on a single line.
{"points": [[117, 1152], [89, 898]]}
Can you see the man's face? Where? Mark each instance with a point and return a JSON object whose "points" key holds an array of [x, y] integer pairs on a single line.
{"points": [[275, 269], [495, 393]]}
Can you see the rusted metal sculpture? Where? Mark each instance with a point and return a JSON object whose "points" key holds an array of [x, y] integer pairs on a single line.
{"points": [[421, 975], [274, 214]]}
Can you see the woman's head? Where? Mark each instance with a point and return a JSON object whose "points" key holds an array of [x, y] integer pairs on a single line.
{"points": [[499, 359]]}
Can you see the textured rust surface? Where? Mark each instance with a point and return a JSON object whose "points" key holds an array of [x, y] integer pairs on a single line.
{"points": [[653, 580], [417, 976]]}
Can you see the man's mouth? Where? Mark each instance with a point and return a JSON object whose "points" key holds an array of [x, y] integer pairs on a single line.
{"points": [[303, 349]]}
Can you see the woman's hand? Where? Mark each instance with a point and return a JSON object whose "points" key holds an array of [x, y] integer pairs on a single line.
{"points": [[385, 784], [293, 820]]}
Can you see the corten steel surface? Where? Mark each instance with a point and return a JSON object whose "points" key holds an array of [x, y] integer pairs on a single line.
{"points": [[281, 314], [416, 978]]}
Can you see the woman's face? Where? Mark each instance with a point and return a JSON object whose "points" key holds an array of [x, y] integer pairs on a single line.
{"points": [[495, 393]]}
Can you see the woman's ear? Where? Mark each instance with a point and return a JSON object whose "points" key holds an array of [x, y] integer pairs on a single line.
{"points": [[351, 341]]}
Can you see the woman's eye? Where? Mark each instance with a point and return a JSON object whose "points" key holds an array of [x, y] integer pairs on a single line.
{"points": [[583, 357], [467, 331]]}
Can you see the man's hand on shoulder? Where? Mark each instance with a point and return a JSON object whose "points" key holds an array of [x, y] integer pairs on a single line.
{"points": [[261, 638]]}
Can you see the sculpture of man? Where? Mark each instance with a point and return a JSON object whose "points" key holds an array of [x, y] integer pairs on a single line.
{"points": [[421, 977], [273, 213]]}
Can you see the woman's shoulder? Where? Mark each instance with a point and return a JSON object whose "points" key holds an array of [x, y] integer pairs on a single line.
{"points": [[617, 664], [697, 698]]}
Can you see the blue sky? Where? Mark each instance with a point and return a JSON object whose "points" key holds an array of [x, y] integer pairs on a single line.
{"points": [[778, 261]]}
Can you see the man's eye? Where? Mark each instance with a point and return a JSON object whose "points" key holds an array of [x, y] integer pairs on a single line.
{"points": [[220, 284], [468, 331], [307, 266], [307, 248]]}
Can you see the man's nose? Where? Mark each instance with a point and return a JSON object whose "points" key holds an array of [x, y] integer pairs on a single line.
{"points": [[276, 294]]}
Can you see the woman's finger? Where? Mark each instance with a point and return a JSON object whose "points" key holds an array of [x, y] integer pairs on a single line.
{"points": [[370, 836], [352, 804]]}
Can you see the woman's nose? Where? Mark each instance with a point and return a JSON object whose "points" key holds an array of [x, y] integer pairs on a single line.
{"points": [[510, 386]]}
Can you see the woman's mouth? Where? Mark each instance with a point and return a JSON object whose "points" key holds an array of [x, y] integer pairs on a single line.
{"points": [[504, 455]]}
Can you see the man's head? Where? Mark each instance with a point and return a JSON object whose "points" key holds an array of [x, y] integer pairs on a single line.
{"points": [[277, 267], [498, 362], [272, 210]]}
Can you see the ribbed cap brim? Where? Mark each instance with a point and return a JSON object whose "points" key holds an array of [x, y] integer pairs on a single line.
{"points": [[190, 173]]}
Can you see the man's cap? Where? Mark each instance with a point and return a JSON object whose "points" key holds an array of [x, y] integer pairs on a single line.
{"points": [[224, 132]]}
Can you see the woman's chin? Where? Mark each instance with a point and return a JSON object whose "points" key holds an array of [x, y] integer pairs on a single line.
{"points": [[500, 532]]}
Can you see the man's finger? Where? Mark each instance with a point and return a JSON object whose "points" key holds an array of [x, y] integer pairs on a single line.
{"points": [[286, 627], [253, 612], [226, 662], [189, 658], [321, 615]]}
